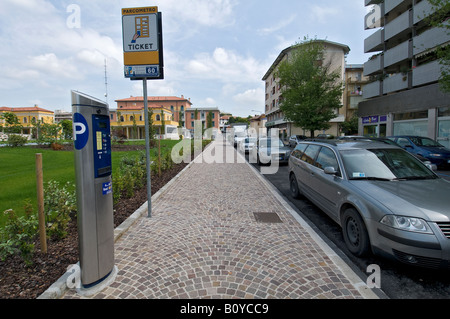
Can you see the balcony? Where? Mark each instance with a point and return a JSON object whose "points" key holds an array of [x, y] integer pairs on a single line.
{"points": [[426, 73], [422, 10], [398, 26], [372, 90], [369, 2], [391, 4], [375, 42], [375, 18], [398, 54], [373, 66], [394, 83], [430, 39]]}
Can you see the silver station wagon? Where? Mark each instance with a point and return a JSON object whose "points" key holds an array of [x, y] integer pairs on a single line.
{"points": [[386, 201]]}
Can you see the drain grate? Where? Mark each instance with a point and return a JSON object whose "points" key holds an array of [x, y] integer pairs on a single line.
{"points": [[269, 218]]}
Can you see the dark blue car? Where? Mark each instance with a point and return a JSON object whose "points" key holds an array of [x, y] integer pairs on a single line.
{"points": [[425, 147]]}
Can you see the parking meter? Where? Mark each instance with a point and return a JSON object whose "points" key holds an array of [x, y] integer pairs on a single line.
{"points": [[93, 169]]}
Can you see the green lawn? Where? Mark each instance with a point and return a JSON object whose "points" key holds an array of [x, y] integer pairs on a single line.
{"points": [[18, 172]]}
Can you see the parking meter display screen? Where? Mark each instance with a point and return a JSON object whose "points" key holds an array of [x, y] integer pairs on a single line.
{"points": [[102, 145]]}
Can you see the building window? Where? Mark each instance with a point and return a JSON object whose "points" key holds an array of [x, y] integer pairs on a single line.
{"points": [[192, 116], [158, 117], [25, 120]]}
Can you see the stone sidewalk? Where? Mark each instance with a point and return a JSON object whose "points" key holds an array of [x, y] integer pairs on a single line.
{"points": [[205, 241]]}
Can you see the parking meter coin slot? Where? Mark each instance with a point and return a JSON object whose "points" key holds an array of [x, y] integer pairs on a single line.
{"points": [[102, 146]]}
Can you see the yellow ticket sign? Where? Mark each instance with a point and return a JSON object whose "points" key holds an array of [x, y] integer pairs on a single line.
{"points": [[142, 42]]}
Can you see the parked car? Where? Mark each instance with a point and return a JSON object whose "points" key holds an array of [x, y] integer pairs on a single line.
{"points": [[386, 200], [295, 139], [270, 149], [425, 147], [325, 136], [379, 139], [246, 145]]}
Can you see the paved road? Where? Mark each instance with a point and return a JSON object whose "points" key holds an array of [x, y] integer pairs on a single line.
{"points": [[397, 281]]}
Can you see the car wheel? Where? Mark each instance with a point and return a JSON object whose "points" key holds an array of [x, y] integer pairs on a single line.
{"points": [[295, 192], [355, 233]]}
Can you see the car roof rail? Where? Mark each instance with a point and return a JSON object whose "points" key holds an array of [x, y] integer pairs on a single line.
{"points": [[321, 140]]}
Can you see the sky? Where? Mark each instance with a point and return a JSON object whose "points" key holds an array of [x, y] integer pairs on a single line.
{"points": [[215, 51]]}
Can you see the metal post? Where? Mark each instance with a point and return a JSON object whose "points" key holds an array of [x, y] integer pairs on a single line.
{"points": [[147, 151]]}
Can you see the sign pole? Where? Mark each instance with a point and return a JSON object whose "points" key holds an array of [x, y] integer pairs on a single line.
{"points": [[147, 150], [143, 60]]}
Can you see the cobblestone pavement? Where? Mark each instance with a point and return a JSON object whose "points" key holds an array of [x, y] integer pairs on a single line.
{"points": [[203, 241]]}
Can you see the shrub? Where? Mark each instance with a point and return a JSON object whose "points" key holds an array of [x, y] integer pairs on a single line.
{"points": [[18, 234], [16, 140], [59, 204]]}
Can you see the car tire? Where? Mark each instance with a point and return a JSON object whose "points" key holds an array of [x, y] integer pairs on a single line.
{"points": [[355, 233], [295, 191]]}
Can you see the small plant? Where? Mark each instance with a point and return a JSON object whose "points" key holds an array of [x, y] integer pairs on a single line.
{"points": [[59, 204], [18, 234]]}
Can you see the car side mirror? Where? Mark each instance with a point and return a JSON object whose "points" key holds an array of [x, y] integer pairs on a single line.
{"points": [[330, 170]]}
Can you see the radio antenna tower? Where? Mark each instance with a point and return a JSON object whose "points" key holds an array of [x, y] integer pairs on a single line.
{"points": [[106, 83]]}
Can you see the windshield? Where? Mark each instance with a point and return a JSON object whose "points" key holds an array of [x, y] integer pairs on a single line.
{"points": [[423, 141], [384, 164], [250, 140], [267, 143]]}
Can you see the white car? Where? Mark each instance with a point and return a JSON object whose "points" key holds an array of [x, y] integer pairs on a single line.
{"points": [[270, 149], [246, 145]]}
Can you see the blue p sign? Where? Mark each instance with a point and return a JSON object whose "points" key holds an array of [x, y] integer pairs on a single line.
{"points": [[80, 131]]}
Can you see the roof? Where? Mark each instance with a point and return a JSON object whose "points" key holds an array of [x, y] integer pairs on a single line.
{"points": [[140, 108], [283, 53], [24, 109], [154, 99], [351, 144], [202, 109]]}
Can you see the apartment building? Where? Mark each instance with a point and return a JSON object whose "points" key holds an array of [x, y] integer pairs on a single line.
{"points": [[202, 115], [334, 53], [403, 96], [355, 82], [128, 120]]}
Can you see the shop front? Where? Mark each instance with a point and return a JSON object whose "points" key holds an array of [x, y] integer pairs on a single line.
{"points": [[375, 126]]}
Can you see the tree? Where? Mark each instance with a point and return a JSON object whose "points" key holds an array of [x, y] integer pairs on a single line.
{"points": [[311, 92], [67, 129], [440, 20], [12, 123]]}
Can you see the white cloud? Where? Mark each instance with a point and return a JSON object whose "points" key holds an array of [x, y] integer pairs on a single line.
{"points": [[250, 97], [280, 25], [50, 64], [324, 14], [202, 12], [226, 66]]}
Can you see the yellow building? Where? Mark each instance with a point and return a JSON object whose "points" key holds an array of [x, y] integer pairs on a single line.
{"points": [[27, 116], [129, 121]]}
